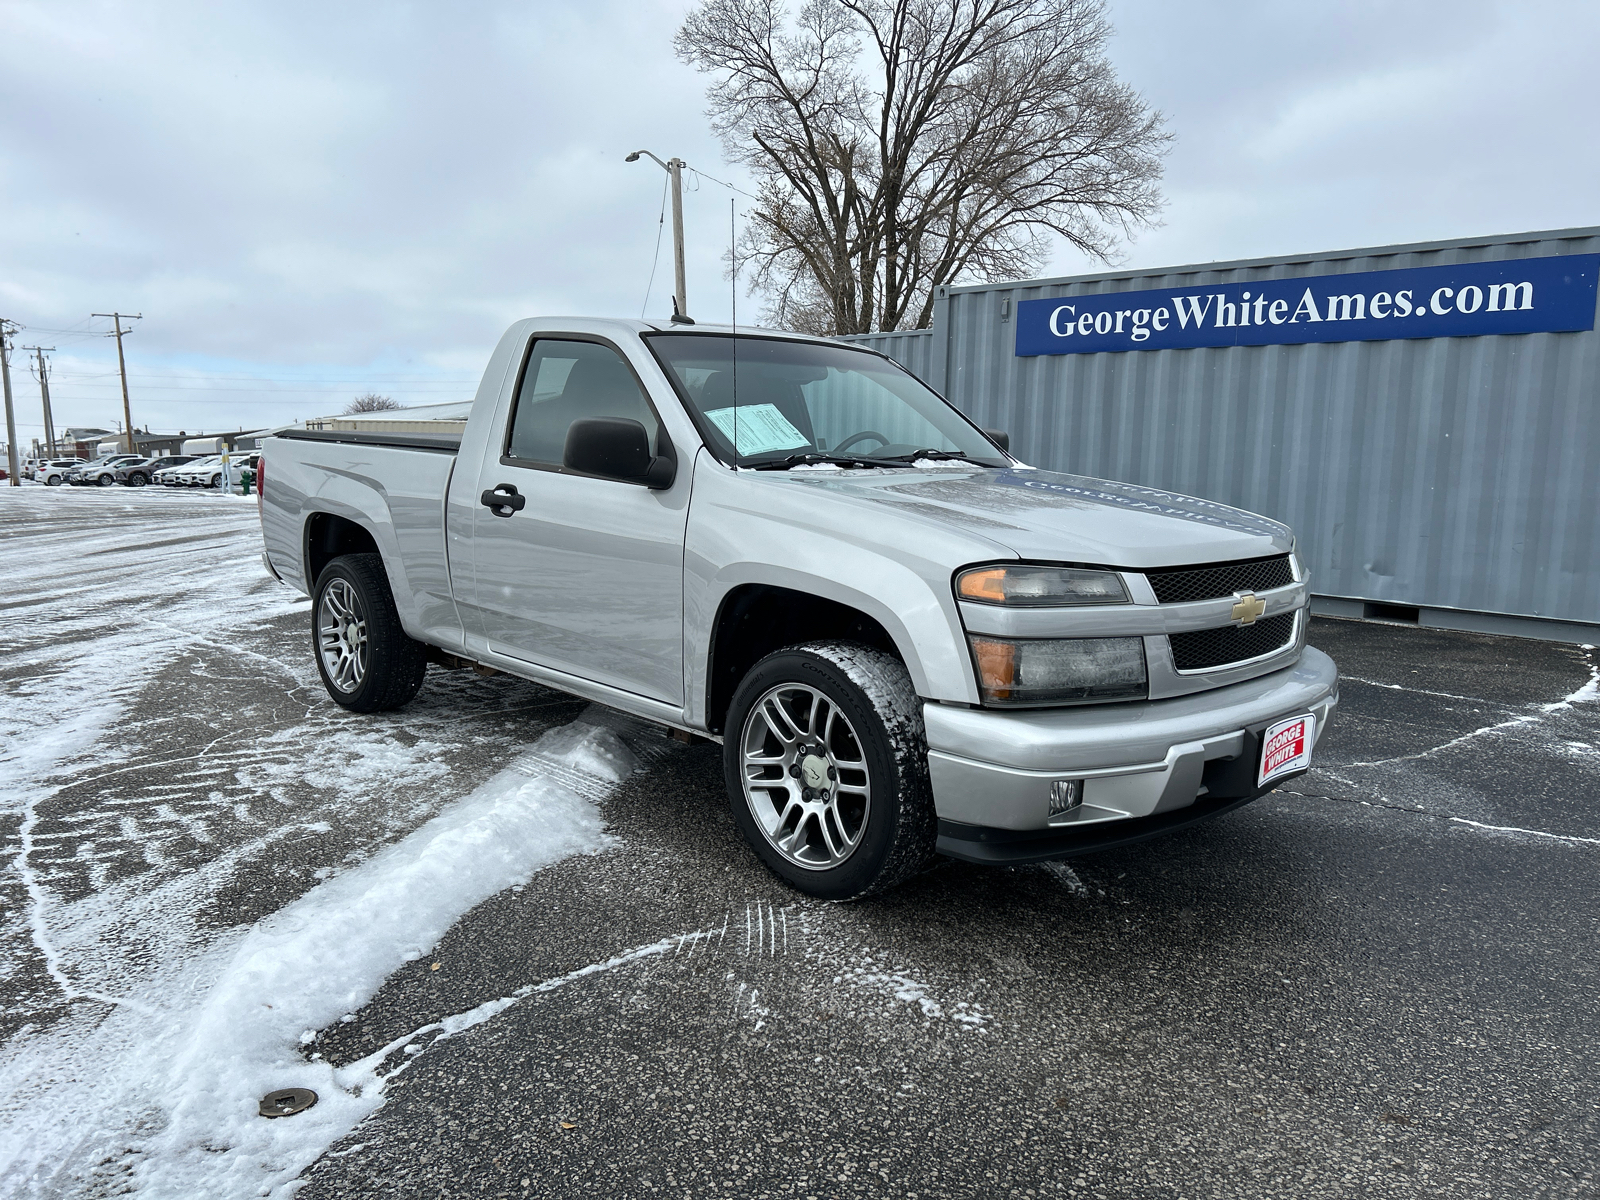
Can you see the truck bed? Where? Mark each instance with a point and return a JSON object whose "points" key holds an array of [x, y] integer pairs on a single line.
{"points": [[447, 443]]}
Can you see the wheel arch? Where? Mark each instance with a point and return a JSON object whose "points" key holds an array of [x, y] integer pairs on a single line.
{"points": [[754, 619], [329, 535]]}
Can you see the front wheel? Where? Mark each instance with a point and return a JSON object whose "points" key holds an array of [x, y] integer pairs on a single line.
{"points": [[366, 661], [137, 480], [827, 769], [106, 480]]}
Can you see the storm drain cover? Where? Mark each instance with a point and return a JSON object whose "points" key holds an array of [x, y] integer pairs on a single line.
{"points": [[285, 1102]]}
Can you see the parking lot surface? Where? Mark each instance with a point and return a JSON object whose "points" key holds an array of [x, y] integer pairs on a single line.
{"points": [[1381, 980]]}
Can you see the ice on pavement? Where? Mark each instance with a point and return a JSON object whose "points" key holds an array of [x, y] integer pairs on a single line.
{"points": [[327, 953], [162, 742]]}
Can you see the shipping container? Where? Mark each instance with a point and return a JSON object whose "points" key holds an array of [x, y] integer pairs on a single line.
{"points": [[1439, 464]]}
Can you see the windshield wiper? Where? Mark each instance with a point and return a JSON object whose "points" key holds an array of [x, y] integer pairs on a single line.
{"points": [[937, 456], [813, 458]]}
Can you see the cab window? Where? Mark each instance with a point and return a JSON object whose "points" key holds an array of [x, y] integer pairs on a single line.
{"points": [[566, 381]]}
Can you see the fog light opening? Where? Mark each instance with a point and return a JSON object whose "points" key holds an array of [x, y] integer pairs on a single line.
{"points": [[1065, 795]]}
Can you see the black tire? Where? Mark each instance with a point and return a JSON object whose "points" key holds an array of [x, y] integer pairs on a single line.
{"points": [[873, 691], [137, 479], [106, 480], [394, 664]]}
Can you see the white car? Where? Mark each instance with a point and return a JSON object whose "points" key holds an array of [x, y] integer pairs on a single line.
{"points": [[190, 474], [102, 472], [207, 472], [174, 476], [53, 472]]}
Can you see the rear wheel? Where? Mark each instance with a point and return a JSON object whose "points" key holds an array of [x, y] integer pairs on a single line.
{"points": [[52, 481], [827, 769], [366, 661]]}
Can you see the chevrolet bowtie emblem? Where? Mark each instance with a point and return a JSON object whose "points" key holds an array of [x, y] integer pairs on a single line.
{"points": [[1249, 608]]}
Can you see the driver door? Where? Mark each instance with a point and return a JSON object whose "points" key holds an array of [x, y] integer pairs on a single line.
{"points": [[587, 576]]}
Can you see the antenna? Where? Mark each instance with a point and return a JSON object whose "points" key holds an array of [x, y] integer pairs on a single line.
{"points": [[733, 265]]}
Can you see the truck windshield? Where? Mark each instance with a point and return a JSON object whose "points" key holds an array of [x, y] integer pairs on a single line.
{"points": [[784, 403]]}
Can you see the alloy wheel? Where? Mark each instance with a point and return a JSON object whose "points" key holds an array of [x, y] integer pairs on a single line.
{"points": [[342, 635], [805, 776]]}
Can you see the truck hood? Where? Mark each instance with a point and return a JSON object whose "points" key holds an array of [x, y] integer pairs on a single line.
{"points": [[1063, 518]]}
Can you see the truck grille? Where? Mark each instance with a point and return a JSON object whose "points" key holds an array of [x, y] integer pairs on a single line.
{"points": [[1220, 579], [1232, 643]]}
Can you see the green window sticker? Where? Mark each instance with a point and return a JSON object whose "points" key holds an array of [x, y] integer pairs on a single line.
{"points": [[757, 428]]}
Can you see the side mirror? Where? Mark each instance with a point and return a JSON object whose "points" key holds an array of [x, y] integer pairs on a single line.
{"points": [[1000, 438], [616, 448]]}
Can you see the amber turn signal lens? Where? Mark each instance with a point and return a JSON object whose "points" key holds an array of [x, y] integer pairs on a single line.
{"points": [[988, 586], [997, 666], [1032, 585]]}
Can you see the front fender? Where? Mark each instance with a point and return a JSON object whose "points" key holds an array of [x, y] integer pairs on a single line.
{"points": [[899, 575]]}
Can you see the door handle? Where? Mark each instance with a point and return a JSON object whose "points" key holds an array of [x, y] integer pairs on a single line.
{"points": [[502, 500]]}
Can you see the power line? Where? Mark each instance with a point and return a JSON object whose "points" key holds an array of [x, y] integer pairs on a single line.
{"points": [[723, 182], [655, 260]]}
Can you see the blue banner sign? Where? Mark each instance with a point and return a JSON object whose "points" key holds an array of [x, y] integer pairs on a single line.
{"points": [[1524, 295]]}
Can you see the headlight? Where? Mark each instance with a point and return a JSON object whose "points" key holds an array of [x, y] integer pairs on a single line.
{"points": [[1029, 672], [1040, 586]]}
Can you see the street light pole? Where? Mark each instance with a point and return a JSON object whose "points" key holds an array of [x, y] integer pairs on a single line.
{"points": [[680, 297], [122, 366]]}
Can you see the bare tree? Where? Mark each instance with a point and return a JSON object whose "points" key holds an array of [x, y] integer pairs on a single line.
{"points": [[904, 144], [371, 402]]}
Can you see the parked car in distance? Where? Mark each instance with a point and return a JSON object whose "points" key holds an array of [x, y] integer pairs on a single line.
{"points": [[102, 472], [180, 476], [168, 476], [53, 472], [207, 472], [141, 471], [29, 465]]}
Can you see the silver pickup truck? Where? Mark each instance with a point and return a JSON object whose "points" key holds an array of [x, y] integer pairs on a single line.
{"points": [[907, 642]]}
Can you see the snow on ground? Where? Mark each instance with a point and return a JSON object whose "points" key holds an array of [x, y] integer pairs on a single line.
{"points": [[170, 768]]}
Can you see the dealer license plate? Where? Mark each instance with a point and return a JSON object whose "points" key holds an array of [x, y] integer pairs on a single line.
{"points": [[1286, 748]]}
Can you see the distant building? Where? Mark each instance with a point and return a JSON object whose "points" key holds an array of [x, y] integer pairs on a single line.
{"points": [[424, 418], [81, 441]]}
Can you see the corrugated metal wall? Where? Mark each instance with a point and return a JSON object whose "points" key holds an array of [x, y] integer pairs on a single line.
{"points": [[911, 348], [1458, 473]]}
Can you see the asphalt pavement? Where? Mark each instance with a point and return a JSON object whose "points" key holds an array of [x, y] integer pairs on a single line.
{"points": [[1349, 988], [1380, 980]]}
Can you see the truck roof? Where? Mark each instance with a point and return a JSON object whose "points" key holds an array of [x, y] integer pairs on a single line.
{"points": [[615, 325]]}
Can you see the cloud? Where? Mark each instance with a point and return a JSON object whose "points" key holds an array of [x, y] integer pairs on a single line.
{"points": [[307, 201], [1321, 126]]}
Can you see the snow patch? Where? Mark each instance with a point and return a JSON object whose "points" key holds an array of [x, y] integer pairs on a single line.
{"points": [[907, 990], [593, 748], [1589, 693], [327, 954]]}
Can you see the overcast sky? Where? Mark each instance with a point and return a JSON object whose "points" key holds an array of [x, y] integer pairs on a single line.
{"points": [[308, 201]]}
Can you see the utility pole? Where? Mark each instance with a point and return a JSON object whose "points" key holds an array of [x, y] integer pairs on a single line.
{"points": [[42, 371], [14, 466], [122, 366], [680, 297]]}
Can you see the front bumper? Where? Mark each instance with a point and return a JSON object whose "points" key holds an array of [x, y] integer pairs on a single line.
{"points": [[1147, 767]]}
